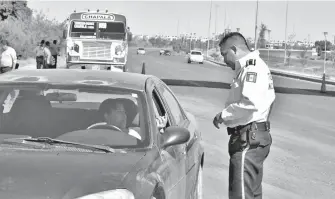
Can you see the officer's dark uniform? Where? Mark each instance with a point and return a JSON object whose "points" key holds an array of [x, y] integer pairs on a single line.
{"points": [[247, 117]]}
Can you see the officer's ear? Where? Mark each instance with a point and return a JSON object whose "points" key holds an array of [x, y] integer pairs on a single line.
{"points": [[234, 48]]}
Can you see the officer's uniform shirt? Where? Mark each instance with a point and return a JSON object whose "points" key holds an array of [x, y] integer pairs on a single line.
{"points": [[251, 94]]}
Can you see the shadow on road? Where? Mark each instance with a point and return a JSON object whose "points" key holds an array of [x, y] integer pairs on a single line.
{"points": [[222, 85]]}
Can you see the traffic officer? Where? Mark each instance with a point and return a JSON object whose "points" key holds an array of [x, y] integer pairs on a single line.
{"points": [[246, 115]]}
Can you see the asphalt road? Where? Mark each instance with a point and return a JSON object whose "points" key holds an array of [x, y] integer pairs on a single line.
{"points": [[301, 162]]}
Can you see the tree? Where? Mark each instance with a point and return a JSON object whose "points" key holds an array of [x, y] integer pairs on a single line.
{"points": [[15, 9], [261, 40], [320, 45]]}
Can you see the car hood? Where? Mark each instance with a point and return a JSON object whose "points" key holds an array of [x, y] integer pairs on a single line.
{"points": [[28, 174]]}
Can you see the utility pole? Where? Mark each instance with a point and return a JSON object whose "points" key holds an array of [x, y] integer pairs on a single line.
{"points": [[216, 18], [225, 19], [256, 22], [286, 32], [209, 27], [178, 28]]}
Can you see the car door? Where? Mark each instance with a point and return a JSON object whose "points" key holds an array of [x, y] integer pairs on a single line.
{"points": [[173, 156], [180, 119]]}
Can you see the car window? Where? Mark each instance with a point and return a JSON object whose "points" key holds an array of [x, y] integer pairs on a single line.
{"points": [[67, 113], [158, 106], [172, 103], [195, 53]]}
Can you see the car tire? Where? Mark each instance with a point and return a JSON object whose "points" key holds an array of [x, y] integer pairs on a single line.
{"points": [[201, 62], [189, 61], [199, 187]]}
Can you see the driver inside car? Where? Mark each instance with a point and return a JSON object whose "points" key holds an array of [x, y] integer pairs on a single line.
{"points": [[114, 114]]}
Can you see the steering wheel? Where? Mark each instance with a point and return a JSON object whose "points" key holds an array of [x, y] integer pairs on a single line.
{"points": [[104, 126]]}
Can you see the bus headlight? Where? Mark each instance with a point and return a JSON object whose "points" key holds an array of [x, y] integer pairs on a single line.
{"points": [[118, 50]]}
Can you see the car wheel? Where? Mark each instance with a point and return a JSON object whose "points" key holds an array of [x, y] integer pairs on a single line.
{"points": [[198, 190], [201, 63], [189, 61]]}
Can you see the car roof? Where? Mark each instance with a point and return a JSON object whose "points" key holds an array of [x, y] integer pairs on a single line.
{"points": [[125, 80]]}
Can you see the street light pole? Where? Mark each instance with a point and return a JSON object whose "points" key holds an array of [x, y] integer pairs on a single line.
{"points": [[324, 63], [323, 85], [209, 27], [256, 25], [216, 18], [269, 31], [286, 32]]}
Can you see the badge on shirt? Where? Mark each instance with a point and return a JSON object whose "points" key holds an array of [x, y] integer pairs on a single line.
{"points": [[251, 77]]}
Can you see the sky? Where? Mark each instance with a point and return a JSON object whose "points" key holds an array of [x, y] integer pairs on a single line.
{"points": [[307, 19]]}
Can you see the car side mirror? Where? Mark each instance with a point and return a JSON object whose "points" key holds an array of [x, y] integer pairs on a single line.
{"points": [[174, 135]]}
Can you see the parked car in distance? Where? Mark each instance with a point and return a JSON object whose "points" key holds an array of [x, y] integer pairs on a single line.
{"points": [[141, 51], [195, 56], [167, 52], [161, 51]]}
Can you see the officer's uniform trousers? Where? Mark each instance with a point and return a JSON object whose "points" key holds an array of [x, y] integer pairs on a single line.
{"points": [[246, 116]]}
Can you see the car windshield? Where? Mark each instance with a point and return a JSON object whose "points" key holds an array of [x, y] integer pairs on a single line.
{"points": [[195, 53], [87, 115], [141, 49], [100, 30]]}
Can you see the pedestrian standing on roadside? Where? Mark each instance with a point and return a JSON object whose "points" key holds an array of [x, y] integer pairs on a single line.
{"points": [[54, 52], [8, 57], [39, 52], [49, 61], [246, 115]]}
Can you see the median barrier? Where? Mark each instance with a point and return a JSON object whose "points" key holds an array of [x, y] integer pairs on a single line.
{"points": [[288, 74]]}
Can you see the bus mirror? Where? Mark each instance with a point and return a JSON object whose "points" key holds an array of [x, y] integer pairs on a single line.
{"points": [[64, 34]]}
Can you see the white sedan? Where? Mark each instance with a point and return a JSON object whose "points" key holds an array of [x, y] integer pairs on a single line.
{"points": [[140, 51], [195, 56]]}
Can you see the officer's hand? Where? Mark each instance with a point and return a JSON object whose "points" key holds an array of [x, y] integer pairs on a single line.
{"points": [[161, 121], [217, 120]]}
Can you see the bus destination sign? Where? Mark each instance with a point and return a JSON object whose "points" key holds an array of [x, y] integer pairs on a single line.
{"points": [[98, 17]]}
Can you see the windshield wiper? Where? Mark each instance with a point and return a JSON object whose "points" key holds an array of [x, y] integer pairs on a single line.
{"points": [[51, 141]]}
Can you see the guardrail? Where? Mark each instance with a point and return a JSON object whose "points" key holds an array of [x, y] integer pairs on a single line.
{"points": [[284, 73]]}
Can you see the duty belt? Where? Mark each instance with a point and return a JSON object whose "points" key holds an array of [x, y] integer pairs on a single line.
{"points": [[260, 126]]}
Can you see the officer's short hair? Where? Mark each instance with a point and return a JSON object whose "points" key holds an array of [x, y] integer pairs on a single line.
{"points": [[238, 39], [47, 43], [42, 42], [54, 41]]}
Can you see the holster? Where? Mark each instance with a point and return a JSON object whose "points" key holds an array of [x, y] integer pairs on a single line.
{"points": [[248, 133]]}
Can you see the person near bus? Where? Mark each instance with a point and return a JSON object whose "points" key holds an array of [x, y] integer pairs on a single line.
{"points": [[48, 59], [54, 52], [39, 52], [8, 57]]}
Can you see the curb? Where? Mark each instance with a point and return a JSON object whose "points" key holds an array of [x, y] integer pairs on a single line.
{"points": [[287, 74]]}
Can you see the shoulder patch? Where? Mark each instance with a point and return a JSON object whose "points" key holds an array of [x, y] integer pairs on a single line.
{"points": [[251, 77], [251, 62]]}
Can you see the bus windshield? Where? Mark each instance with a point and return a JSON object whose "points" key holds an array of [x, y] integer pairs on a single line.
{"points": [[99, 30]]}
